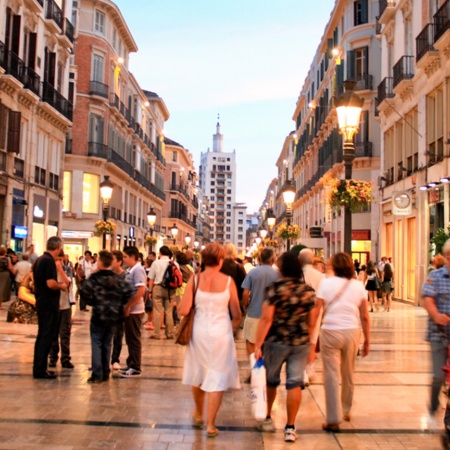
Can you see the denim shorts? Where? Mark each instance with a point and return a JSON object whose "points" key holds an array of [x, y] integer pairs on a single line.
{"points": [[295, 357]]}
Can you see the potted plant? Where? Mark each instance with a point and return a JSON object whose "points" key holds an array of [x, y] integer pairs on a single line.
{"points": [[439, 239], [150, 240], [105, 226], [353, 194], [288, 231]]}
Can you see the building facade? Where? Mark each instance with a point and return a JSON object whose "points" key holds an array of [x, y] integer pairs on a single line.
{"points": [[117, 133], [36, 41], [181, 206], [217, 177], [348, 50], [414, 109]]}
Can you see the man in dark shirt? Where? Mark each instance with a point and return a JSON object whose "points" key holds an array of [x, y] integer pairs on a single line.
{"points": [[46, 291]]}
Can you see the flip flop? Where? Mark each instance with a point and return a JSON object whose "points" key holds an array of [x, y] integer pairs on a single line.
{"points": [[197, 421], [212, 432]]}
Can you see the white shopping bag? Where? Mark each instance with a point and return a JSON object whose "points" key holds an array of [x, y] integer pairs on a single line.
{"points": [[258, 388]]}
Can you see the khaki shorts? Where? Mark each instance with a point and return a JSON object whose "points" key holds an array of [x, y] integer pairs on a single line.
{"points": [[250, 327]]}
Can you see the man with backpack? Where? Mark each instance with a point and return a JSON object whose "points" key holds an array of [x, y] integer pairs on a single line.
{"points": [[165, 277]]}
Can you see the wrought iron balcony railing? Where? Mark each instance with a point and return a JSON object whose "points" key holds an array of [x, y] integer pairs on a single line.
{"points": [[69, 30], [54, 12], [385, 89], [442, 20], [98, 88], [403, 69], [97, 149], [425, 41], [56, 100]]}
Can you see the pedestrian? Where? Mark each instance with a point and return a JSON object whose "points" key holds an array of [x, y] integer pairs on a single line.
{"points": [[344, 305], [134, 312], [6, 269], [233, 268], [147, 300], [284, 331], [64, 321], [387, 285], [248, 264], [211, 364], [22, 268], [84, 269], [162, 297], [32, 255], [254, 285], [69, 270], [47, 292], [187, 271], [436, 302], [117, 268], [372, 284]]}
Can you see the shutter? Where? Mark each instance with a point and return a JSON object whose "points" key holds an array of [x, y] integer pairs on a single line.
{"points": [[8, 29], [350, 65], [15, 44], [364, 11], [101, 130], [330, 42], [91, 127], [3, 125], [366, 60], [355, 13], [32, 51], [51, 68], [14, 131], [366, 126]]}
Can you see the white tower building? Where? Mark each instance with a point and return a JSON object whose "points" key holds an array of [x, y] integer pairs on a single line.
{"points": [[218, 182]]}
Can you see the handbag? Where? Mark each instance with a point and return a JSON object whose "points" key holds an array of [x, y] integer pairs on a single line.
{"points": [[184, 331], [377, 283], [258, 388]]}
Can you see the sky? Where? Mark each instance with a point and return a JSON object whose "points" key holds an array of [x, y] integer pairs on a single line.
{"points": [[243, 59]]}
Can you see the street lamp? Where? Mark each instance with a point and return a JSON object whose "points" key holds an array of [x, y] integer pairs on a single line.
{"points": [[196, 244], [288, 192], [348, 107], [106, 190], [151, 218], [258, 240], [271, 219], [187, 239], [174, 231]]}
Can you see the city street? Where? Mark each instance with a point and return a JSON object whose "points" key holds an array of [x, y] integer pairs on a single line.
{"points": [[153, 412]]}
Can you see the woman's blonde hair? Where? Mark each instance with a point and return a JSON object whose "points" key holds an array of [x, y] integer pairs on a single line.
{"points": [[212, 254]]}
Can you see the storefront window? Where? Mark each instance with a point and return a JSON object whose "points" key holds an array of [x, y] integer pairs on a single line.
{"points": [[67, 190], [91, 193]]}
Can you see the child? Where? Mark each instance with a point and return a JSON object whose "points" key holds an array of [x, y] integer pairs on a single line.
{"points": [[107, 294]]}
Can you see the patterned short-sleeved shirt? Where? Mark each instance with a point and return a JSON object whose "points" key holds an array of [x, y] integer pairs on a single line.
{"points": [[437, 286], [293, 301]]}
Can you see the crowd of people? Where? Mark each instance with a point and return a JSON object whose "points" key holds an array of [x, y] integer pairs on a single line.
{"points": [[288, 305]]}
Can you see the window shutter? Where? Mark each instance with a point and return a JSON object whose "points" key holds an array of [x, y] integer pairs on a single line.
{"points": [[364, 11], [366, 60], [355, 13], [351, 65], [330, 42], [32, 51], [101, 130], [14, 131], [15, 44], [3, 125]]}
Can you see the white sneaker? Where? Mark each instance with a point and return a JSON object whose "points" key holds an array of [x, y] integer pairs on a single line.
{"points": [[116, 366], [305, 378], [130, 373], [290, 435], [266, 425]]}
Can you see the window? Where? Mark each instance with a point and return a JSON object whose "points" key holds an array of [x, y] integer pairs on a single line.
{"points": [[240, 236], [228, 229], [67, 191], [212, 191], [174, 156], [360, 12], [228, 221], [228, 236], [91, 193], [99, 25], [240, 222], [98, 68], [228, 191], [435, 125], [240, 229], [228, 214]]}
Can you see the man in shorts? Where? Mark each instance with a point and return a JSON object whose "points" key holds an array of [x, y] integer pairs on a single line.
{"points": [[254, 285]]}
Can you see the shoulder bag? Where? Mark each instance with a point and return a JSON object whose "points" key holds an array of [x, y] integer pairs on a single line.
{"points": [[184, 331], [337, 296]]}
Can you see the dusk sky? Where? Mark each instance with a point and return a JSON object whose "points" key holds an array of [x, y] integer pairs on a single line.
{"points": [[243, 59]]}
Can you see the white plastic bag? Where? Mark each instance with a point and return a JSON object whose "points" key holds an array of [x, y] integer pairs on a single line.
{"points": [[258, 388]]}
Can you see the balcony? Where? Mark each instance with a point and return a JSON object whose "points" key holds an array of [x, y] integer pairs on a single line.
{"points": [[69, 30], [364, 82], [363, 149], [97, 149], [31, 80], [179, 188], [403, 69], [15, 67], [68, 148], [98, 88], [3, 55], [442, 20], [56, 100], [425, 41], [54, 13], [114, 100], [387, 11], [181, 216], [385, 89]]}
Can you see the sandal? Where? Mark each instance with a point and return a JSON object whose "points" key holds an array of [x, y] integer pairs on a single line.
{"points": [[212, 432], [197, 420]]}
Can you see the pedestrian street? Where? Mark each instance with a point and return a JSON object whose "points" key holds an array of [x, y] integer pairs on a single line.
{"points": [[154, 411]]}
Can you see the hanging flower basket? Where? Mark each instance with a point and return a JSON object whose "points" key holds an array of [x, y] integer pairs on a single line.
{"points": [[174, 249], [150, 240], [353, 194], [271, 243], [288, 231], [105, 226]]}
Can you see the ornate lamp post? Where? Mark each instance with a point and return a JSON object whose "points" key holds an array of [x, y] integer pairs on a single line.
{"points": [[174, 231], [348, 107], [288, 192], [263, 233], [187, 239], [196, 244], [106, 190], [271, 219], [151, 218]]}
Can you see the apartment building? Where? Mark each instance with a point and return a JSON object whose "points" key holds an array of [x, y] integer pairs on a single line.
{"points": [[117, 133], [181, 206], [414, 111], [36, 41], [348, 50], [217, 179]]}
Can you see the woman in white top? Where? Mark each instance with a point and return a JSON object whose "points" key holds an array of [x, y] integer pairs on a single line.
{"points": [[344, 303]]}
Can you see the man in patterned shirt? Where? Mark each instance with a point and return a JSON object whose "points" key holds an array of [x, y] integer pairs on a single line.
{"points": [[436, 301]]}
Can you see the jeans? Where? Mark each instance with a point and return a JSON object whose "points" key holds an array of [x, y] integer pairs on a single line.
{"points": [[64, 329], [101, 342], [117, 343], [46, 335], [163, 301], [132, 325], [439, 355]]}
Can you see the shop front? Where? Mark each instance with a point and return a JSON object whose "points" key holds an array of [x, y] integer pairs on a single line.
{"points": [[45, 221]]}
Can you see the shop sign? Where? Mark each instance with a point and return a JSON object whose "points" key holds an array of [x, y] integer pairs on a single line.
{"points": [[77, 234], [19, 232], [401, 203], [131, 232], [361, 235]]}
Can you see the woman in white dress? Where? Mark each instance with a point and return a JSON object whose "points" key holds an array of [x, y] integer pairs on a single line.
{"points": [[211, 364]]}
